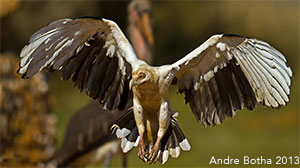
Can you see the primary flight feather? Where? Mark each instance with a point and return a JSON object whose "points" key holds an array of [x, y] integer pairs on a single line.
{"points": [[224, 74]]}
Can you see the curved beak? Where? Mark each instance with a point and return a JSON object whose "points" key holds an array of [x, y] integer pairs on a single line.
{"points": [[146, 27], [132, 83]]}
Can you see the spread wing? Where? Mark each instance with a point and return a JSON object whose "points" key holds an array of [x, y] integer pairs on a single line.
{"points": [[228, 72], [93, 52]]}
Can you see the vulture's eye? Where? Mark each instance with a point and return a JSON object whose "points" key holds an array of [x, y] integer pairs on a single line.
{"points": [[141, 75]]}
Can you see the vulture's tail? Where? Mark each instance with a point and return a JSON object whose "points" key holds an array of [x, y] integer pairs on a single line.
{"points": [[126, 130], [171, 143]]}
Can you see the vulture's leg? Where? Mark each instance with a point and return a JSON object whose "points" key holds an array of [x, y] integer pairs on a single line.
{"points": [[154, 151], [139, 119], [142, 151], [107, 160], [164, 121]]}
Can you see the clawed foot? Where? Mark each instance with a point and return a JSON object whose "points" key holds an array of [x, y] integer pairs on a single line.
{"points": [[153, 156], [145, 156], [142, 151]]}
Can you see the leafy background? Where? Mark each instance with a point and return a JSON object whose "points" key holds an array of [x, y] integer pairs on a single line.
{"points": [[179, 27]]}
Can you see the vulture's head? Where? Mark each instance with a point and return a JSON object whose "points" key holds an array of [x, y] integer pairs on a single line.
{"points": [[143, 77]]}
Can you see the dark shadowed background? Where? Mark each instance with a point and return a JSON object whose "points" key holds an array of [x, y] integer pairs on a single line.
{"points": [[179, 27]]}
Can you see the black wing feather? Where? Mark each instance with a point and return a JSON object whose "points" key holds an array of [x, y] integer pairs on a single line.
{"points": [[87, 51], [223, 75]]}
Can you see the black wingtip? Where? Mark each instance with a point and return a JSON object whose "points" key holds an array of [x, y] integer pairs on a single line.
{"points": [[24, 76], [90, 17], [232, 35]]}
